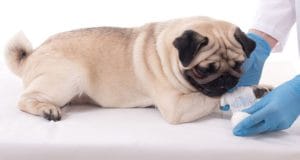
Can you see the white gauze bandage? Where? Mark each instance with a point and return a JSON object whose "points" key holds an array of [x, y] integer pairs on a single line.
{"points": [[233, 103]]}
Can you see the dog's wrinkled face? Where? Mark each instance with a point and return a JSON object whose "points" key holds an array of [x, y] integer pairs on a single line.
{"points": [[212, 61]]}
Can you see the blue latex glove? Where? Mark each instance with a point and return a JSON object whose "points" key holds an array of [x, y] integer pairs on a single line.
{"points": [[253, 65], [276, 111]]}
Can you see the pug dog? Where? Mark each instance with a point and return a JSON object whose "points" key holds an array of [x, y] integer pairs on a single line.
{"points": [[181, 66]]}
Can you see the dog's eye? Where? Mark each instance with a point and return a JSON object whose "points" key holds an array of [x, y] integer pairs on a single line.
{"points": [[206, 70], [237, 65]]}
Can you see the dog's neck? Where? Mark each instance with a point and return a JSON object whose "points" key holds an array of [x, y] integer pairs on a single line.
{"points": [[171, 64]]}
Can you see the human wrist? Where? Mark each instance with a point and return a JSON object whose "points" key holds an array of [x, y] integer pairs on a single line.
{"points": [[295, 85], [262, 46], [268, 38]]}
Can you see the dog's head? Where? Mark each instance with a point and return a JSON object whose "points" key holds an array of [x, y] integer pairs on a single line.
{"points": [[211, 55]]}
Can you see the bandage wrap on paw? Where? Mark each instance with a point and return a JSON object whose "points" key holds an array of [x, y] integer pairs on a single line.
{"points": [[233, 103]]}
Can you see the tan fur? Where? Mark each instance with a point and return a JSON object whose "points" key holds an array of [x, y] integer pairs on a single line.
{"points": [[16, 48], [123, 67]]}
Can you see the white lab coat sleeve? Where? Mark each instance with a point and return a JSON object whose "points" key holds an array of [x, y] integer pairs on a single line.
{"points": [[276, 18]]}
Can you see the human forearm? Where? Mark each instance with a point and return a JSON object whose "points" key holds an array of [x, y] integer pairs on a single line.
{"points": [[272, 41]]}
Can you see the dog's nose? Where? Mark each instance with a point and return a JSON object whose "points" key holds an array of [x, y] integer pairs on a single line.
{"points": [[225, 74], [228, 81]]}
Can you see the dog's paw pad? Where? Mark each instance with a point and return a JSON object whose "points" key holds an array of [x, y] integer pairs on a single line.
{"points": [[51, 113], [261, 90]]}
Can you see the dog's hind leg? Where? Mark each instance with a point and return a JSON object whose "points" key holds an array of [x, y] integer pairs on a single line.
{"points": [[46, 93]]}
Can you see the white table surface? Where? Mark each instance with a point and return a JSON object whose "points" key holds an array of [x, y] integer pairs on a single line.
{"points": [[92, 133]]}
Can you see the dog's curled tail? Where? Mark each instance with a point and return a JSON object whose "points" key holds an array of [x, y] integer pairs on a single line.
{"points": [[17, 51]]}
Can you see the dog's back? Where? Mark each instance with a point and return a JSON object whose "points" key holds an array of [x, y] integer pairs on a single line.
{"points": [[97, 62]]}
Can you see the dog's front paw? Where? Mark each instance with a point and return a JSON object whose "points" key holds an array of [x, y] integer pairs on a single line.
{"points": [[51, 112], [261, 90]]}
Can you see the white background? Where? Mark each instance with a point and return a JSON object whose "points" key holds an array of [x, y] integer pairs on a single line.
{"points": [[41, 18], [143, 131]]}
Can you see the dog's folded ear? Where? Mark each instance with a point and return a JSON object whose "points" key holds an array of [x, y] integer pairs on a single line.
{"points": [[188, 45], [247, 43]]}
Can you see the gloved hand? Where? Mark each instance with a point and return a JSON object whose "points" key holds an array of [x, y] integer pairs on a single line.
{"points": [[253, 65], [276, 111]]}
